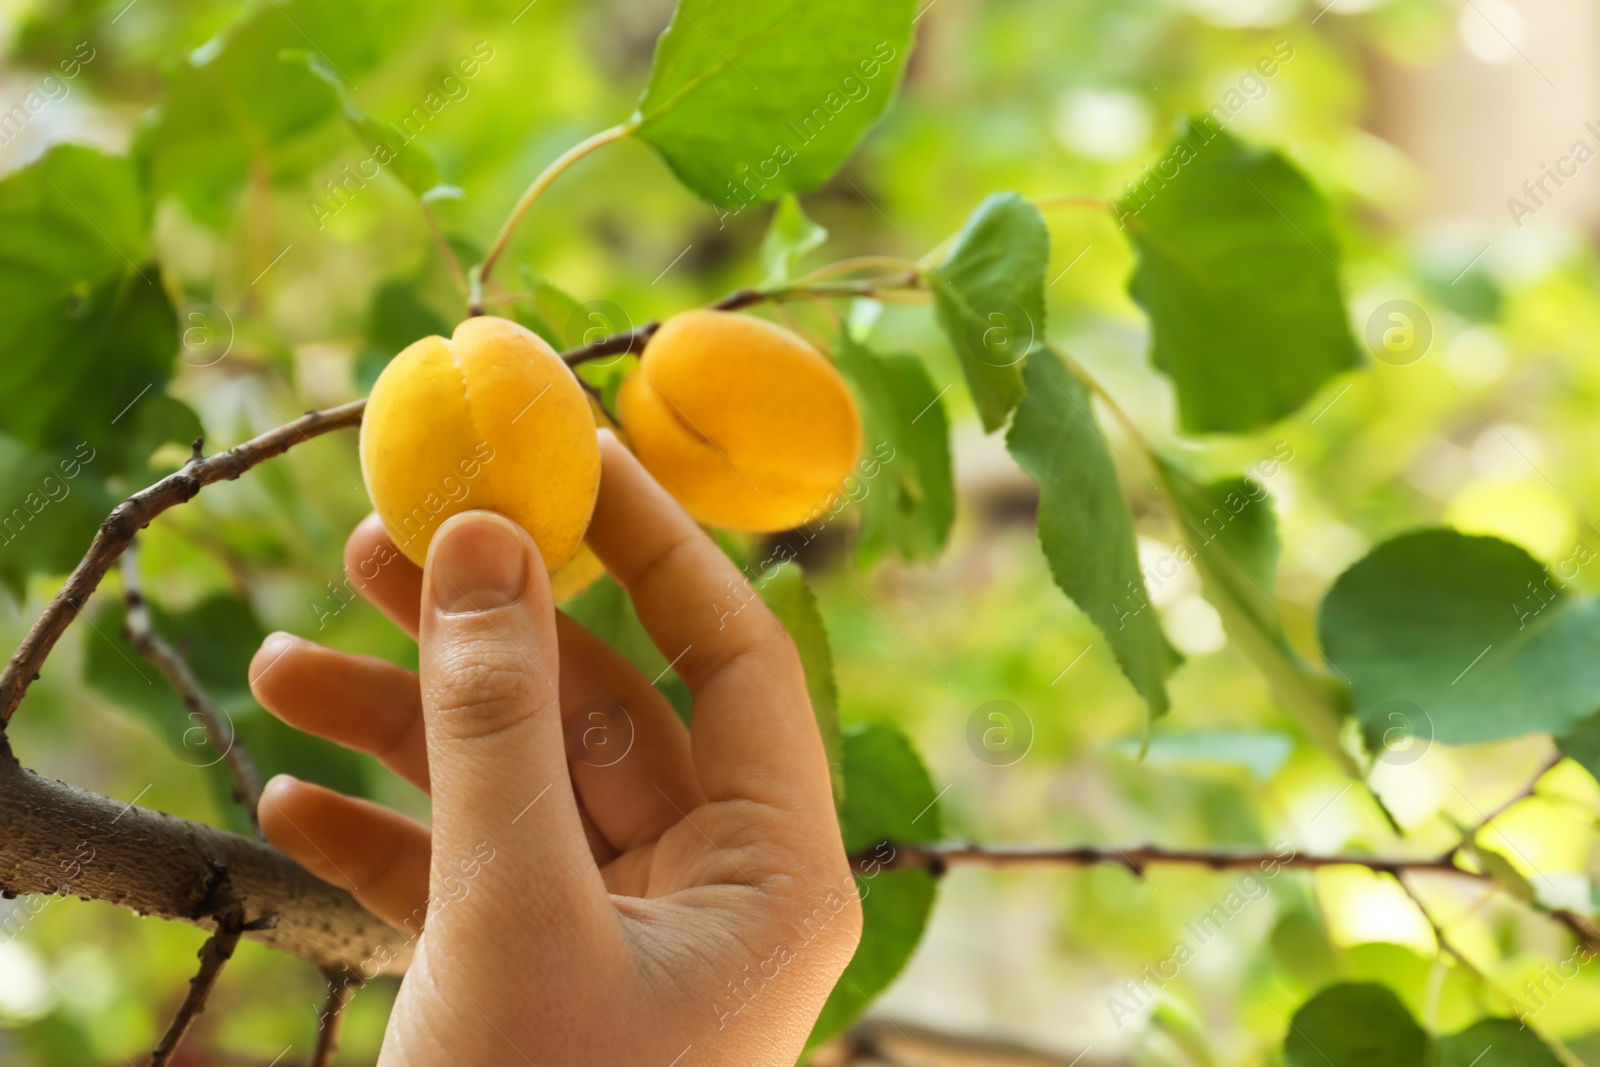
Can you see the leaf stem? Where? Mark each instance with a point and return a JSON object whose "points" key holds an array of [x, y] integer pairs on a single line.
{"points": [[546, 178]]}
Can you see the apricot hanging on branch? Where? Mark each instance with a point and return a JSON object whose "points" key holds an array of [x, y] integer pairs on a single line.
{"points": [[749, 427], [488, 418]]}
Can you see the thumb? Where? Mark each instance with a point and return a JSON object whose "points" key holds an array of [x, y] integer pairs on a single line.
{"points": [[488, 664]]}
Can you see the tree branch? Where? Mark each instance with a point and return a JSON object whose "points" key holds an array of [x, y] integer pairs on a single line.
{"points": [[216, 952], [140, 632], [635, 339], [341, 987], [938, 859], [135, 513], [58, 839]]}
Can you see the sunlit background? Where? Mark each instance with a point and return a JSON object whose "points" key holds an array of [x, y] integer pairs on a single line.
{"points": [[1421, 120]]}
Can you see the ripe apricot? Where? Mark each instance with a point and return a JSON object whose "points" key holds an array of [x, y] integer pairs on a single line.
{"points": [[488, 418], [746, 424]]}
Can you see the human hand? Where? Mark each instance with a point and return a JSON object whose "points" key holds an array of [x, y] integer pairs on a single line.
{"points": [[687, 904]]}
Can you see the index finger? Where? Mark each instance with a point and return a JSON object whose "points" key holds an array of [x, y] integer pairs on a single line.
{"points": [[752, 730]]}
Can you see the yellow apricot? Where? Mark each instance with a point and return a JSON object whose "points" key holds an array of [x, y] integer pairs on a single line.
{"points": [[488, 418], [749, 427], [580, 572]]}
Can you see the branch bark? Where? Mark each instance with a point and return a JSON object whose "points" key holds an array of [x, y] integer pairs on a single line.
{"points": [[938, 859], [341, 987], [215, 953], [58, 839], [140, 631]]}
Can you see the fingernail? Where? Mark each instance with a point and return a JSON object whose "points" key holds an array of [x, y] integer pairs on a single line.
{"points": [[478, 563], [271, 651]]}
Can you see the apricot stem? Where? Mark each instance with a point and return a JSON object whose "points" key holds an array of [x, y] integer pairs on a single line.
{"points": [[546, 177]]}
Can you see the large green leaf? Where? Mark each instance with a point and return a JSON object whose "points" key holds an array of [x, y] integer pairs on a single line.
{"points": [[990, 297], [787, 593], [1231, 537], [1085, 526], [1495, 1043], [1355, 1025], [1238, 272], [910, 503], [888, 797], [233, 104], [1470, 630], [51, 504], [88, 329], [747, 102]]}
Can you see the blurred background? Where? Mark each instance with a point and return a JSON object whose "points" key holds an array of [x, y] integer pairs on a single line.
{"points": [[1457, 141]]}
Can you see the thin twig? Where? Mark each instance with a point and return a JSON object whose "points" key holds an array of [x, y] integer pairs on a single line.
{"points": [[135, 513], [1562, 1053], [557, 167], [216, 952], [635, 339], [446, 253], [938, 859], [139, 629], [341, 987]]}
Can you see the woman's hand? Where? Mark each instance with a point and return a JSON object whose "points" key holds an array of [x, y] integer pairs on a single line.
{"points": [[600, 885]]}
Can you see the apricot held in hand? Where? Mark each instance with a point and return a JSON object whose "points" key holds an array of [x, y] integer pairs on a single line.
{"points": [[747, 425], [489, 418]]}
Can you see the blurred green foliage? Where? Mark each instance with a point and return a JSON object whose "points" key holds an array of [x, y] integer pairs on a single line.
{"points": [[290, 270]]}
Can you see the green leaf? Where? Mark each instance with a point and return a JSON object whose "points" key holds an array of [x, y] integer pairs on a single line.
{"points": [[1231, 536], [1355, 1025], [1495, 1043], [1085, 526], [390, 147], [88, 330], [990, 297], [910, 503], [790, 236], [71, 215], [888, 797], [787, 593], [1498, 867], [747, 102], [1470, 630], [233, 104], [217, 637], [51, 504], [1237, 268], [397, 316]]}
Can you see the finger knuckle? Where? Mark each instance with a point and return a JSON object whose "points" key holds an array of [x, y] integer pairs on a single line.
{"points": [[485, 694]]}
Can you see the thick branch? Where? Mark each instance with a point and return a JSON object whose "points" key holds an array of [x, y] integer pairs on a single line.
{"points": [[140, 632], [938, 859], [135, 513], [217, 951], [58, 839]]}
